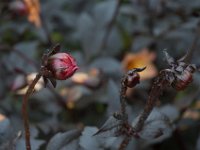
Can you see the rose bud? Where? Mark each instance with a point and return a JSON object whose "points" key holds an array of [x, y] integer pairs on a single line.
{"points": [[132, 79], [184, 79], [62, 65]]}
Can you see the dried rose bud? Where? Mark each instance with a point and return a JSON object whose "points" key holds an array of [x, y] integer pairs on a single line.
{"points": [[184, 78], [62, 65], [182, 72], [132, 79]]}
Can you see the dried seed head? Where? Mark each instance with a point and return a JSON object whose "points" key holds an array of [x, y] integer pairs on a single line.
{"points": [[182, 72], [133, 78]]}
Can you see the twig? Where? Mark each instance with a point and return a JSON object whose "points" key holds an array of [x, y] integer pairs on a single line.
{"points": [[123, 97], [25, 113], [157, 88], [130, 79], [124, 143]]}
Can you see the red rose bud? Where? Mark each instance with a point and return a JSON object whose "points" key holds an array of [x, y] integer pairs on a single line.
{"points": [[62, 65], [132, 80]]}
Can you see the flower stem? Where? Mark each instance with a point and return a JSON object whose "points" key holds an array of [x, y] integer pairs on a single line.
{"points": [[124, 143], [158, 86], [123, 98], [25, 111]]}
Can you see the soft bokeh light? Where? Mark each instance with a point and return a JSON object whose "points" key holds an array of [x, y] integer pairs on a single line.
{"points": [[141, 59], [33, 7], [20, 88], [2, 117], [191, 114], [91, 79], [80, 77]]}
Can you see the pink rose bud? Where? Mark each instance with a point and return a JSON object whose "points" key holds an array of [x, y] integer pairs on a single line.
{"points": [[62, 65]]}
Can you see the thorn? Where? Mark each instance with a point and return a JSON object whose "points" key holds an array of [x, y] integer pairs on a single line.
{"points": [[169, 59], [45, 81], [130, 72], [56, 48], [19, 134], [140, 69], [185, 57], [53, 82]]}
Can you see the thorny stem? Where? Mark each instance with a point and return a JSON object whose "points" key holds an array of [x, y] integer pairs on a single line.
{"points": [[165, 78], [126, 128], [159, 84], [123, 98], [25, 111], [124, 143]]}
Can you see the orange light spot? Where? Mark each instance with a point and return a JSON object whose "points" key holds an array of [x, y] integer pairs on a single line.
{"points": [[70, 105], [141, 59], [2, 117], [192, 114], [33, 7], [80, 77]]}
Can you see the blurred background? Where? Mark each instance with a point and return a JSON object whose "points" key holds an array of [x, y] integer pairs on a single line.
{"points": [[107, 38]]}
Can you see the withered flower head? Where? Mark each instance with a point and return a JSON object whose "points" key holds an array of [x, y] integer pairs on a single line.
{"points": [[182, 72]]}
